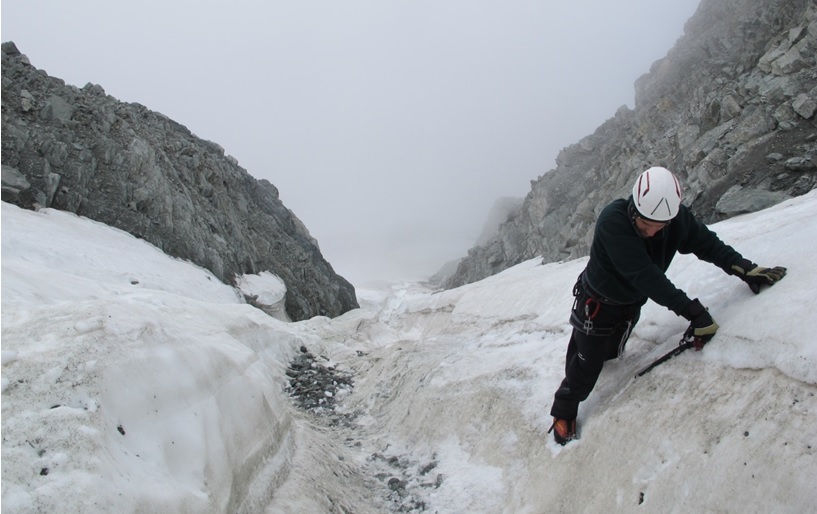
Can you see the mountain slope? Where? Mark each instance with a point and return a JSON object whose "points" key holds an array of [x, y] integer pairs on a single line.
{"points": [[730, 109], [85, 152]]}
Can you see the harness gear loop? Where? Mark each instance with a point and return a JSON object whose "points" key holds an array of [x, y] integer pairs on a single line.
{"points": [[587, 308], [592, 303], [588, 316]]}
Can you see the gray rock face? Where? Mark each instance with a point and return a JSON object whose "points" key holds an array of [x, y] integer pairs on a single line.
{"points": [[730, 109], [83, 151]]}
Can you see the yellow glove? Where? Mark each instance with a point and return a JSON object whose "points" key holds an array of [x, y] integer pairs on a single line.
{"points": [[757, 276], [701, 325]]}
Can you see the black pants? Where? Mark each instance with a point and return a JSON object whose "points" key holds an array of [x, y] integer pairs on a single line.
{"points": [[600, 331]]}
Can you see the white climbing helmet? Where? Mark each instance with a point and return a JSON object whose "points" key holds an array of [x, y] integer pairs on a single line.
{"points": [[657, 194]]}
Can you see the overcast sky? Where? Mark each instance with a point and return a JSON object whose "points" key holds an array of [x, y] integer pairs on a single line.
{"points": [[390, 127]]}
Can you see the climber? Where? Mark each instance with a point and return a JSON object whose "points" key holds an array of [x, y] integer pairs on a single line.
{"points": [[635, 240]]}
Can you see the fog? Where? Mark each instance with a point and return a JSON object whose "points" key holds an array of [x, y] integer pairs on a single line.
{"points": [[389, 128]]}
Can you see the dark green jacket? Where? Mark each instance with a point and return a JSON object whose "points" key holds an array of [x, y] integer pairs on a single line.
{"points": [[627, 268]]}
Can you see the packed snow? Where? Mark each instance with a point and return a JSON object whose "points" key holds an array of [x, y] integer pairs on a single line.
{"points": [[135, 382]]}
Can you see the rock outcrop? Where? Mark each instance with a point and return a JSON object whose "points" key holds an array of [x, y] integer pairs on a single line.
{"points": [[80, 150], [730, 109]]}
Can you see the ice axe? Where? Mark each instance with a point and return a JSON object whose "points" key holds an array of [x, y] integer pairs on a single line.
{"points": [[687, 341]]}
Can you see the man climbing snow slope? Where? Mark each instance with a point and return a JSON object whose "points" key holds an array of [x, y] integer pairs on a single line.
{"points": [[634, 242]]}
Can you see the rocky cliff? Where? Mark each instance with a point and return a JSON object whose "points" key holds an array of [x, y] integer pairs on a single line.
{"points": [[122, 164], [730, 109]]}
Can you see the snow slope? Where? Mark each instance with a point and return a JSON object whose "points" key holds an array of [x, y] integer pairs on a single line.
{"points": [[136, 382]]}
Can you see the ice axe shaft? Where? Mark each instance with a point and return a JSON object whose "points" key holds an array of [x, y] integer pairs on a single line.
{"points": [[687, 341]]}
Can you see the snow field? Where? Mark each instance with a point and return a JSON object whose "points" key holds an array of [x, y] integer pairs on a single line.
{"points": [[133, 381]]}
